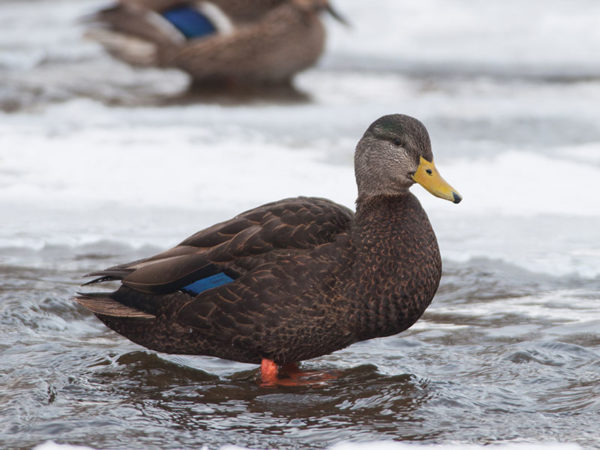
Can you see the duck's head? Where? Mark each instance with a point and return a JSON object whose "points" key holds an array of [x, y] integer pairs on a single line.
{"points": [[393, 154]]}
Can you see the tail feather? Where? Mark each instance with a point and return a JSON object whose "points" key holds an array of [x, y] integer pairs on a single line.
{"points": [[133, 50], [99, 280], [100, 303], [111, 274]]}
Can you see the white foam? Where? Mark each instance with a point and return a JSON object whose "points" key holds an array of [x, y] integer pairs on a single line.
{"points": [[51, 445]]}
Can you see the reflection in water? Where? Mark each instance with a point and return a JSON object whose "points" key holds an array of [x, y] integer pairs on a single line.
{"points": [[238, 95], [360, 403]]}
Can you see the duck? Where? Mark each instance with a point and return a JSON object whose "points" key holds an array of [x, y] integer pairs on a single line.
{"points": [[297, 278], [218, 42]]}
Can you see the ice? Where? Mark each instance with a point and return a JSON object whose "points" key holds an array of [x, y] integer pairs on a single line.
{"points": [[98, 175], [463, 36]]}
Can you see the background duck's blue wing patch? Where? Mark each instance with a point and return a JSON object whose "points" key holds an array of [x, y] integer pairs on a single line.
{"points": [[209, 282], [191, 22]]}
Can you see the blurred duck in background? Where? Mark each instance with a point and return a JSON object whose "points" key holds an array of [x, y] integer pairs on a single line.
{"points": [[221, 42]]}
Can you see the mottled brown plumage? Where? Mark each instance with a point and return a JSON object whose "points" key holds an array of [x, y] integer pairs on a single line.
{"points": [[310, 276], [258, 42]]}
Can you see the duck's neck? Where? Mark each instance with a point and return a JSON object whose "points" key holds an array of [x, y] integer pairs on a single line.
{"points": [[397, 260]]}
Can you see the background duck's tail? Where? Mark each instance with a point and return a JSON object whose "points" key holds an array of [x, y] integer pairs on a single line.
{"points": [[143, 35], [133, 34], [132, 50]]}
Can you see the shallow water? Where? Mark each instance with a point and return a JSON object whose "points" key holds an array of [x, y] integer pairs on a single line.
{"points": [[101, 164]]}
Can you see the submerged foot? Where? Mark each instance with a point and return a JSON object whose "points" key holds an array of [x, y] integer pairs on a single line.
{"points": [[291, 375]]}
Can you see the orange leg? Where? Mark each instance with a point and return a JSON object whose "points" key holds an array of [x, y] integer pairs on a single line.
{"points": [[269, 375], [269, 372]]}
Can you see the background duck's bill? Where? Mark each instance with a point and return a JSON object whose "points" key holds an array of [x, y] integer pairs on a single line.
{"points": [[336, 15]]}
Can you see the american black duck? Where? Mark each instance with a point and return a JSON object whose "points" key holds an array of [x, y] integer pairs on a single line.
{"points": [[218, 42], [297, 278]]}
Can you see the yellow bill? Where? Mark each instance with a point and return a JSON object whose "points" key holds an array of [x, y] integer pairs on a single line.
{"points": [[428, 177]]}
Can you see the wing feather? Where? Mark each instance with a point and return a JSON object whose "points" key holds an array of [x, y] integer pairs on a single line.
{"points": [[236, 246]]}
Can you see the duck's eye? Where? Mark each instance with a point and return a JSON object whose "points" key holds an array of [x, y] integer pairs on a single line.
{"points": [[429, 171], [397, 142]]}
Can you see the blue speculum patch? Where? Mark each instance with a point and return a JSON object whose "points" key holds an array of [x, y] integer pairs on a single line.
{"points": [[191, 22], [207, 283]]}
